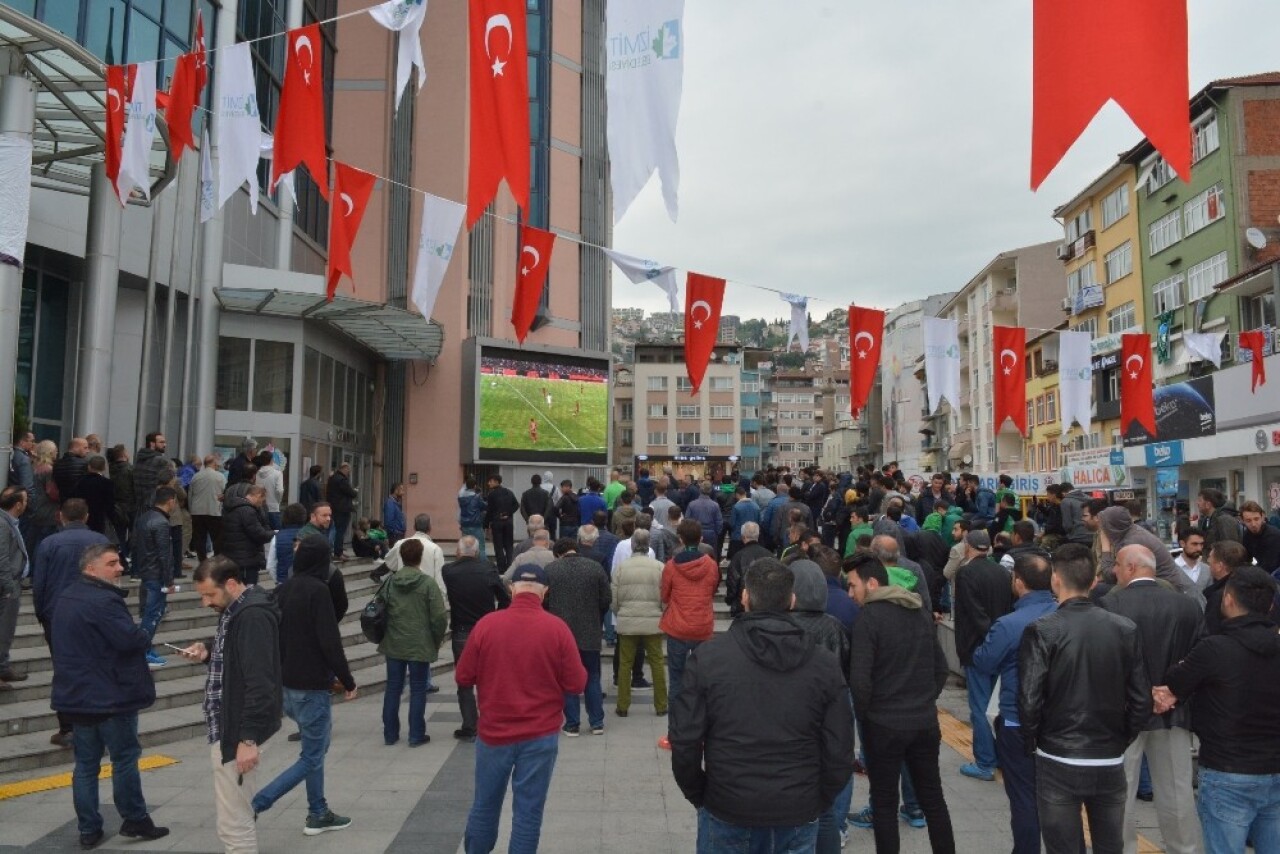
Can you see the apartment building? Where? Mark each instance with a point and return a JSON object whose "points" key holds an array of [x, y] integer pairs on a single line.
{"points": [[907, 437]]}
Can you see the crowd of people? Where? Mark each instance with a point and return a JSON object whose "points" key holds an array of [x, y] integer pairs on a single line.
{"points": [[1118, 667]]}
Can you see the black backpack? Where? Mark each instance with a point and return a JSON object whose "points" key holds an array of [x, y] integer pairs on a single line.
{"points": [[373, 617]]}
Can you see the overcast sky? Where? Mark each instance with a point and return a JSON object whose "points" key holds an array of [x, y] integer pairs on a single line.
{"points": [[877, 152]]}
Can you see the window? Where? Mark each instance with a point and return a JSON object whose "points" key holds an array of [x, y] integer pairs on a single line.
{"points": [[804, 415], [683, 384], [688, 411], [1204, 209], [1081, 277], [1204, 136], [752, 387], [747, 412], [1078, 225], [325, 412], [657, 384], [1202, 278], [787, 448], [657, 410], [627, 411], [310, 378], [628, 437], [538, 24], [1090, 326], [722, 383], [722, 439], [1121, 318], [1258, 311], [1167, 295], [1119, 262], [1115, 206], [1044, 456], [804, 447], [235, 356], [657, 437], [1040, 409], [273, 377], [1031, 413], [1111, 386], [689, 438], [1165, 232], [722, 412], [1161, 174], [1053, 456], [1051, 406]]}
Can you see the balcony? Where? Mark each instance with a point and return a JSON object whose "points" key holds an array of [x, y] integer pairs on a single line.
{"points": [[1003, 302]]}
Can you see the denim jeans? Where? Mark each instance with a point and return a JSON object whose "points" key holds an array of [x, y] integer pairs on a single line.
{"points": [[274, 519], [312, 712], [1234, 807], [528, 766], [338, 532], [594, 696], [418, 680], [832, 821], [677, 652], [1062, 789], [720, 837], [118, 736], [478, 533], [984, 740], [887, 750], [153, 599], [1019, 772]]}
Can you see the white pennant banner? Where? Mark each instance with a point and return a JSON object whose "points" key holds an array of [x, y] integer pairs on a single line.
{"points": [[643, 84], [441, 222], [640, 270], [239, 127], [799, 320], [139, 133], [1203, 346], [405, 17], [1075, 379], [208, 195], [942, 361]]}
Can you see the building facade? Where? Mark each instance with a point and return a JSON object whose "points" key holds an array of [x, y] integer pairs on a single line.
{"points": [[907, 437]]}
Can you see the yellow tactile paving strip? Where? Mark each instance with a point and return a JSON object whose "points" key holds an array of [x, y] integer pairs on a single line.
{"points": [[63, 781], [958, 735]]}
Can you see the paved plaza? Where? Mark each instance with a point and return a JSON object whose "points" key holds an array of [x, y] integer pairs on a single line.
{"points": [[610, 793]]}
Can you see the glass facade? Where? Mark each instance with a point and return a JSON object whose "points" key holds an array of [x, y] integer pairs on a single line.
{"points": [[539, 29], [42, 349]]}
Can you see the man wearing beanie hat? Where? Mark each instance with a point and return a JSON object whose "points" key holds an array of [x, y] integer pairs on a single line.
{"points": [[983, 595]]}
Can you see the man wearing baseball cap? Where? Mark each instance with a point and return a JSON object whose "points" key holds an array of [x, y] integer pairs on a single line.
{"points": [[983, 594], [522, 662]]}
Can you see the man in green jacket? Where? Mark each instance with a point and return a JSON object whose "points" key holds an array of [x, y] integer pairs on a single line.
{"points": [[859, 518], [416, 624]]}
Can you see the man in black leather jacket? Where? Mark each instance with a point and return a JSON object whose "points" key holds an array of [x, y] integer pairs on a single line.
{"points": [[1084, 697]]}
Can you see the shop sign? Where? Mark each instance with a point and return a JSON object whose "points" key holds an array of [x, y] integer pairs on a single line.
{"points": [[1163, 454], [1167, 483], [1123, 495], [1023, 483], [1100, 468], [1105, 344], [1183, 411]]}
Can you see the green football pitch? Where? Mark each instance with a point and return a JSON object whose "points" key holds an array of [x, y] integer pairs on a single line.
{"points": [[508, 403]]}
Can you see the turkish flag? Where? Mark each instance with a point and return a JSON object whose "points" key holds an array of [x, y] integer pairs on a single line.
{"points": [[351, 190], [119, 84], [1009, 343], [202, 57], [499, 104], [1136, 54], [1137, 397], [531, 277], [1254, 342], [866, 331], [299, 134], [183, 97], [703, 297]]}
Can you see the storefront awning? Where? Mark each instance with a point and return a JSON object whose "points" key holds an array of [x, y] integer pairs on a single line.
{"points": [[393, 333], [958, 450]]}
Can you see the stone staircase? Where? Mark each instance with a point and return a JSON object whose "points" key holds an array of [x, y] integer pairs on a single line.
{"points": [[27, 722]]}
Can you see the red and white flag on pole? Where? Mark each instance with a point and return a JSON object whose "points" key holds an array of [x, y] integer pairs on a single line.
{"points": [[531, 277], [351, 190], [183, 97], [139, 132], [1137, 390], [866, 332], [703, 299], [118, 79], [299, 133], [499, 104], [1009, 343]]}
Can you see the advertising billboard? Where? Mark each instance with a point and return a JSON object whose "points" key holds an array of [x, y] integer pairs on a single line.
{"points": [[1183, 411]]}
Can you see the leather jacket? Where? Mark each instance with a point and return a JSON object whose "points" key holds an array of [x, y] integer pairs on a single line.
{"points": [[1085, 693]]}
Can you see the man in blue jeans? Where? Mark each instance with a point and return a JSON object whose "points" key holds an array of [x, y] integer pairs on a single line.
{"points": [[982, 595], [522, 661], [311, 654], [154, 564]]}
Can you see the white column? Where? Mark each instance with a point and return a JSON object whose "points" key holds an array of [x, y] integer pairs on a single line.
{"points": [[17, 116]]}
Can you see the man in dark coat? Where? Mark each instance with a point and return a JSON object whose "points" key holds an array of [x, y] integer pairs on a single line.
{"points": [[500, 511], [341, 496], [245, 530], [150, 469], [536, 501], [238, 467], [474, 589], [100, 683], [578, 592], [153, 561], [70, 467], [310, 493], [99, 493]]}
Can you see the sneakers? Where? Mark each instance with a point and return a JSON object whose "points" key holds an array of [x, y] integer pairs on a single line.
{"points": [[295, 736], [598, 730], [464, 734], [977, 772], [318, 824], [9, 675], [844, 839], [664, 743], [145, 829], [155, 662], [61, 739], [571, 731], [913, 817], [861, 818], [426, 739]]}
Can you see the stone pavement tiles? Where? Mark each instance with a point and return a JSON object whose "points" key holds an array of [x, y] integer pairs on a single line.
{"points": [[610, 793]]}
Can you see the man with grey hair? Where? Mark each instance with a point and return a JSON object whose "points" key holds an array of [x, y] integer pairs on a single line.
{"points": [[474, 589], [624, 550], [747, 554], [535, 522], [432, 555], [1169, 625], [539, 553], [637, 605], [707, 513], [885, 547]]}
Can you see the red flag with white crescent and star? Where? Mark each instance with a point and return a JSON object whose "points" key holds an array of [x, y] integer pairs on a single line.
{"points": [[703, 298], [1147, 76], [119, 83], [1009, 344], [531, 276], [1254, 342], [866, 330], [183, 97], [1137, 394], [499, 104], [351, 190], [299, 131]]}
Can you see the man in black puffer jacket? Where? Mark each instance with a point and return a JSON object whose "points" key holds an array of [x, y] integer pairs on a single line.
{"points": [[762, 771], [245, 530], [70, 467], [150, 469]]}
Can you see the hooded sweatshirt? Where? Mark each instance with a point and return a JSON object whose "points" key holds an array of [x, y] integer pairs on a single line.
{"points": [[810, 611], [689, 584], [310, 643], [1121, 532], [897, 668]]}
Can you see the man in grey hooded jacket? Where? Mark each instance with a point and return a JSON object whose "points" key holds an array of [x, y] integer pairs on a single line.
{"points": [[1119, 531]]}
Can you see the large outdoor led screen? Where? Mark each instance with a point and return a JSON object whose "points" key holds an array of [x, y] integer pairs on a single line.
{"points": [[534, 407]]}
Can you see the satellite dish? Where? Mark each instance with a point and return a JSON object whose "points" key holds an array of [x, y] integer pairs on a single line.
{"points": [[967, 460], [1255, 238]]}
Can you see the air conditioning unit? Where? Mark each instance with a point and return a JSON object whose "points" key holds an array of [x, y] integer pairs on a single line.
{"points": [[1066, 303], [1064, 251]]}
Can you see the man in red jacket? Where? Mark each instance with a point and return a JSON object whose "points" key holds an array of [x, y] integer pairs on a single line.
{"points": [[522, 662], [689, 584]]}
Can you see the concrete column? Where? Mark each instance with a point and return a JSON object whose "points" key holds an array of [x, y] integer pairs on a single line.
{"points": [[284, 227], [17, 116], [98, 319], [211, 269]]}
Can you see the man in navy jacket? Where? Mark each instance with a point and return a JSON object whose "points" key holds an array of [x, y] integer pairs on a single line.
{"points": [[100, 683]]}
